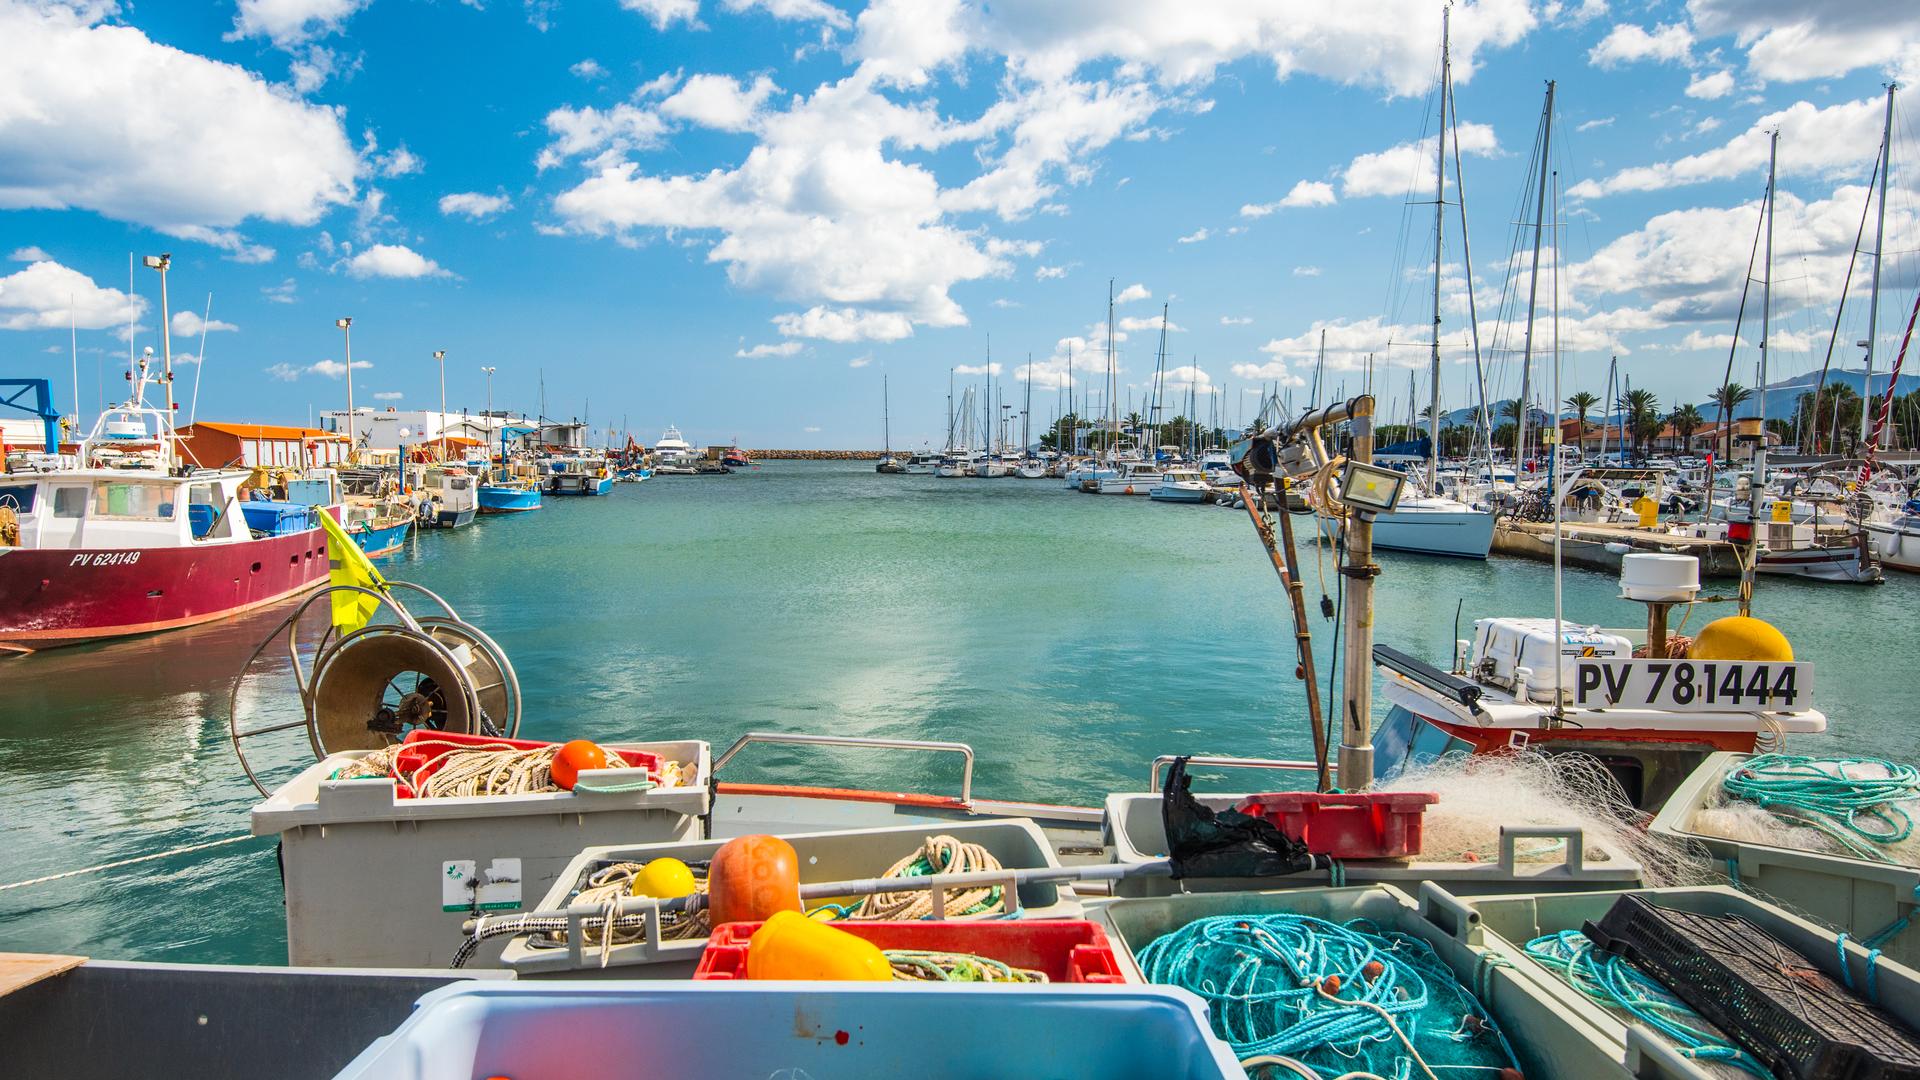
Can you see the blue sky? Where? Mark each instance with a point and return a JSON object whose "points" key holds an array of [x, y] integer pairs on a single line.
{"points": [[735, 215]]}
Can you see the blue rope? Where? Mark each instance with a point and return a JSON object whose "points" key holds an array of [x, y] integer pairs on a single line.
{"points": [[1329, 995], [1617, 984], [1893, 929]]}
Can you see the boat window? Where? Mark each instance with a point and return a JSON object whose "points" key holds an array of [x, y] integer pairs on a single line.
{"points": [[69, 502], [140, 502], [1391, 740], [18, 498], [205, 511], [1431, 742]]}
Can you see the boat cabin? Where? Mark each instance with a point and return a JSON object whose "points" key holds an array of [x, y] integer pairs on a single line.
{"points": [[99, 508]]}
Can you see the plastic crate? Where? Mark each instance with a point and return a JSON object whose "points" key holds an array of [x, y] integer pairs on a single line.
{"points": [[1065, 951], [1498, 928], [1137, 834], [1774, 1002], [840, 855], [438, 862], [875, 1031], [415, 753], [1859, 897], [1373, 825], [1550, 1044]]}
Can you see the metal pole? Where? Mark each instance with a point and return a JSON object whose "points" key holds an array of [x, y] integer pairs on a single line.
{"points": [[1873, 297], [1439, 219], [1533, 285], [1356, 745], [441, 426], [353, 441], [166, 336], [1756, 490]]}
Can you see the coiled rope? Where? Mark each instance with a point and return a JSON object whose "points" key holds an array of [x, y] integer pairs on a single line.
{"points": [[1326, 999], [469, 769], [1617, 984], [1861, 813], [939, 855]]}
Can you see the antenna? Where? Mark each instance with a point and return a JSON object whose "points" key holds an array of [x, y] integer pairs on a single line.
{"points": [[193, 410]]}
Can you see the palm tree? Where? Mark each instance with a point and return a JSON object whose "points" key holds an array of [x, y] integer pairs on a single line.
{"points": [[1686, 420], [1581, 403], [1640, 406], [1510, 410], [1727, 399]]}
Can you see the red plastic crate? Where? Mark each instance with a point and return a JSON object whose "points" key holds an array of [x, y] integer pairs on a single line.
{"points": [[1380, 825], [411, 756], [1068, 951]]}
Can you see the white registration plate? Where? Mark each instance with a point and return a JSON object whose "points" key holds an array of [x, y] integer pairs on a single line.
{"points": [[1693, 685]]}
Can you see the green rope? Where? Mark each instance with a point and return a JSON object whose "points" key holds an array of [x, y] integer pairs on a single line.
{"points": [[1863, 814], [1613, 982]]}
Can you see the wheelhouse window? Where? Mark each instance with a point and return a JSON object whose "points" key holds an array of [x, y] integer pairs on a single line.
{"points": [[69, 502], [132, 501], [18, 497]]}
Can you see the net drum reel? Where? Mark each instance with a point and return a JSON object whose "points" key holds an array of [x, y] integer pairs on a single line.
{"points": [[367, 689]]}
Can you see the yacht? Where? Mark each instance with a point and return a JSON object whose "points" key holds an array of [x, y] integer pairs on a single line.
{"points": [[1430, 525], [674, 455], [1131, 478], [1180, 485]]}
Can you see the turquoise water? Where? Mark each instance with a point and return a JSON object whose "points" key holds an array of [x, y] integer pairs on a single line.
{"points": [[1069, 639]]}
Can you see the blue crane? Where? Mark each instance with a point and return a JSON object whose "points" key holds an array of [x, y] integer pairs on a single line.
{"points": [[13, 395]]}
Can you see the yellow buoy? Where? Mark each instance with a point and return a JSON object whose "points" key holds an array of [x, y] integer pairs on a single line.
{"points": [[1739, 637], [664, 879]]}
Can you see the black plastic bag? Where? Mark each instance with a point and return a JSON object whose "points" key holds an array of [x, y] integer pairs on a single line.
{"points": [[1206, 843]]}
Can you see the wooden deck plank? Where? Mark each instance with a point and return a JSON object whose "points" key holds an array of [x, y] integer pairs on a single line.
{"points": [[18, 970]]}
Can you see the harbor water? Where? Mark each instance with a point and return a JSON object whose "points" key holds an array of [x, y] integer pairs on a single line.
{"points": [[1069, 639]]}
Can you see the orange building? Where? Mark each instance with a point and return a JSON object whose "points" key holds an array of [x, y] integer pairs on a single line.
{"points": [[214, 445]]}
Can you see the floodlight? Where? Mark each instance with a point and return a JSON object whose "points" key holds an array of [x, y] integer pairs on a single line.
{"points": [[157, 262], [343, 323], [1370, 487]]}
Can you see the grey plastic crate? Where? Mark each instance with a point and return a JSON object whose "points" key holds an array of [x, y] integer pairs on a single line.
{"points": [[373, 880], [1502, 925], [1551, 1044], [1137, 834], [826, 856], [1859, 897]]}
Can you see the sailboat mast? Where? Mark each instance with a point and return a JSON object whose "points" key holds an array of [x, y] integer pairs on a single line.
{"points": [[886, 420], [949, 410], [1113, 408], [1879, 245], [1439, 219], [1533, 285], [1766, 342], [1026, 414]]}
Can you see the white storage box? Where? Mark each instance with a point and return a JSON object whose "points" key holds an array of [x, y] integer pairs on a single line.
{"points": [[374, 880], [1502, 646]]}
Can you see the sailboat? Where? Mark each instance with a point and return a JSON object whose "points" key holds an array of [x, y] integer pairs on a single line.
{"points": [[1428, 522], [888, 463]]}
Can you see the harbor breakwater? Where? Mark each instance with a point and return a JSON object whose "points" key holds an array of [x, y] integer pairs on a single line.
{"points": [[815, 455]]}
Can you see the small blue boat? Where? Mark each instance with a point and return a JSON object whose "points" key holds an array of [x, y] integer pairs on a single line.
{"points": [[508, 498], [580, 476], [384, 539]]}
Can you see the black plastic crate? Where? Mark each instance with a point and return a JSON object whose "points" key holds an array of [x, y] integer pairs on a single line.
{"points": [[1768, 998]]}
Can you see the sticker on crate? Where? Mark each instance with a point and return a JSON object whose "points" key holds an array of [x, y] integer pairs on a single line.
{"points": [[465, 887]]}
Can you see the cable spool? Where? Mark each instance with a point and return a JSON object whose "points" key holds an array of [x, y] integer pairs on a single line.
{"points": [[370, 687]]}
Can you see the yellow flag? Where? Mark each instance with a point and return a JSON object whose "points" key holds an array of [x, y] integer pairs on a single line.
{"points": [[348, 565]]}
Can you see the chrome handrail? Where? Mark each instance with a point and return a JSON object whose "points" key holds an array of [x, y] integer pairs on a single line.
{"points": [[1153, 777], [791, 738]]}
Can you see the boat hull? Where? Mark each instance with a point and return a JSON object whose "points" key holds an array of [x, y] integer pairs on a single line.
{"points": [[582, 485], [384, 540], [1178, 494], [449, 519], [65, 596], [501, 500], [1898, 548], [1458, 534], [1842, 565]]}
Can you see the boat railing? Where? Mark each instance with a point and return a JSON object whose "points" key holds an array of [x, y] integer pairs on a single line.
{"points": [[1283, 764], [802, 739]]}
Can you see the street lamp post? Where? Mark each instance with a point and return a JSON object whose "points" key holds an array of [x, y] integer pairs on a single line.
{"points": [[503, 441], [346, 328], [441, 426]]}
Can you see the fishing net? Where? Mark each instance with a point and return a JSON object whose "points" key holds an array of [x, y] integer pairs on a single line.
{"points": [[1481, 793], [1206, 843], [1328, 999], [1863, 808]]}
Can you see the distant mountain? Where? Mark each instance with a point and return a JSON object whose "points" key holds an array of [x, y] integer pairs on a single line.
{"points": [[1782, 398]]}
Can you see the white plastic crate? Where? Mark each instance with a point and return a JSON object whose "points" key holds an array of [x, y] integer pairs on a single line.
{"points": [[374, 880]]}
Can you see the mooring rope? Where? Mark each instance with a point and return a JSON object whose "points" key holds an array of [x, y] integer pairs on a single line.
{"points": [[1862, 813], [117, 864]]}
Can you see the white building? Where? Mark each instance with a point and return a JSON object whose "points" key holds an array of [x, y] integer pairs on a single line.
{"points": [[381, 429]]}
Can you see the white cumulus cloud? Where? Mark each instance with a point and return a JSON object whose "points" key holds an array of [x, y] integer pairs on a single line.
{"points": [[1711, 87], [46, 295], [718, 102], [1627, 43], [189, 324], [392, 261], [784, 348], [474, 204]]}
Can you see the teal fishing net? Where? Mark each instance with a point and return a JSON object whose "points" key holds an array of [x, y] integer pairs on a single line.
{"points": [[1332, 999]]}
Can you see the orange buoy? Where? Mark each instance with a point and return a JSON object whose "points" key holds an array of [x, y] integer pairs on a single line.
{"points": [[1373, 969], [575, 758], [1330, 984], [752, 878]]}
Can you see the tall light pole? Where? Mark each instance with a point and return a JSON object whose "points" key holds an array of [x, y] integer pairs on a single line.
{"points": [[441, 426], [503, 441], [346, 328], [160, 263]]}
